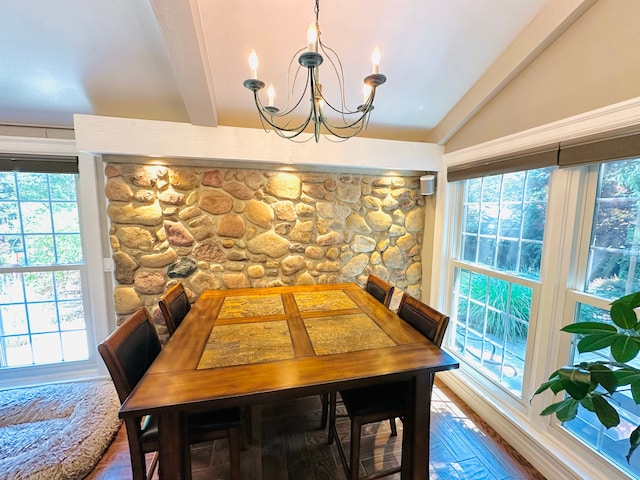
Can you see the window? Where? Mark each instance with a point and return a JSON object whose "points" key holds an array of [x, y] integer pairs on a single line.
{"points": [[612, 270], [42, 271], [497, 271]]}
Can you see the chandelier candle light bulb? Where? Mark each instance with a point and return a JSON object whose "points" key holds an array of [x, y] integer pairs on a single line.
{"points": [[375, 60], [253, 64], [271, 93], [312, 37]]}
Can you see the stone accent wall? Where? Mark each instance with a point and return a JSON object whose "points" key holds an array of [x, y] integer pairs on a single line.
{"points": [[233, 228]]}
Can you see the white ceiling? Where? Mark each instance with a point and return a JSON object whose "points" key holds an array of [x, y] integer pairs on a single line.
{"points": [[185, 60]]}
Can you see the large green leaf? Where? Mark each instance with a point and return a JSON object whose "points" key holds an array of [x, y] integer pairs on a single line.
{"points": [[624, 348], [555, 381], [604, 376], [565, 410], [607, 415], [588, 328], [623, 315], [632, 300], [630, 376], [592, 343], [576, 381], [634, 440]]}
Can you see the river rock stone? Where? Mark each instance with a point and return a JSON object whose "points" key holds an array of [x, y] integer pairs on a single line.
{"points": [[406, 242], [171, 197], [149, 283], [314, 252], [209, 251], [259, 213], [148, 215], [378, 220], [414, 272], [414, 221], [140, 176], [305, 279], [292, 264], [183, 178], [118, 190], [231, 225], [393, 257], [302, 232], [159, 260], [357, 224], [268, 243], [189, 213], [215, 202], [363, 244], [202, 281], [126, 300], [331, 238], [145, 196], [255, 271], [112, 171], [177, 234], [135, 237], [125, 267], [355, 266], [396, 231], [182, 268], [285, 211], [328, 266], [238, 190], [212, 178], [235, 280], [284, 186], [349, 193]]}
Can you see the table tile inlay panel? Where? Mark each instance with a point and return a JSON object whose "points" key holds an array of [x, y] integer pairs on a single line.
{"points": [[251, 306], [323, 301], [246, 343], [345, 333]]}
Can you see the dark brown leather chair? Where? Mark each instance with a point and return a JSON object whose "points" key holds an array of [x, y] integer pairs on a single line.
{"points": [[382, 291], [174, 306], [128, 352], [382, 402]]}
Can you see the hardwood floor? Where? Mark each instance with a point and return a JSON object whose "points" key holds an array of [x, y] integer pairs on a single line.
{"points": [[288, 444]]}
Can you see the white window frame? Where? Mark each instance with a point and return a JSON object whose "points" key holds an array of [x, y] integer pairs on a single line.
{"points": [[546, 444], [97, 306]]}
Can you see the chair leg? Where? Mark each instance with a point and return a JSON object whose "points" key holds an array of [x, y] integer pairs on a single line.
{"points": [[392, 424], [235, 446], [324, 398], [332, 417], [354, 462], [152, 467]]}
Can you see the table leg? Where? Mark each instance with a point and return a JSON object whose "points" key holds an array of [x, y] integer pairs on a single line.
{"points": [[174, 454], [415, 437]]}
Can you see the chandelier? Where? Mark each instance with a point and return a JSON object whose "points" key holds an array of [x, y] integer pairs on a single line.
{"points": [[349, 123]]}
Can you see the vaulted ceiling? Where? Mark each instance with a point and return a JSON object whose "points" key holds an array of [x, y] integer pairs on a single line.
{"points": [[185, 60]]}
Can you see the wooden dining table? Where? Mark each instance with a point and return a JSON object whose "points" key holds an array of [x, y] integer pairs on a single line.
{"points": [[249, 346]]}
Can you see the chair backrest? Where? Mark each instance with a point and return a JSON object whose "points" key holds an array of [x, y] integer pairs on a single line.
{"points": [[174, 306], [129, 351], [379, 289], [428, 321]]}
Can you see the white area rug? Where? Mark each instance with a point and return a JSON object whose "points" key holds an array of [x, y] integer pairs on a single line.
{"points": [[57, 431]]}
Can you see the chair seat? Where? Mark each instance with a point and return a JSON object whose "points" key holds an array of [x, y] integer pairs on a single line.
{"points": [[366, 401], [200, 424]]}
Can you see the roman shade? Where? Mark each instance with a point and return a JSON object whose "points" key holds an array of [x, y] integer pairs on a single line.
{"points": [[530, 159], [599, 148], [38, 163]]}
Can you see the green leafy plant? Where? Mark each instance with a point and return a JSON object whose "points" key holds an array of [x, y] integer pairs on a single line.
{"points": [[592, 385]]}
